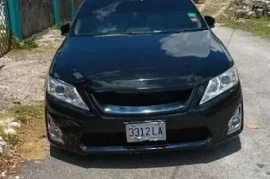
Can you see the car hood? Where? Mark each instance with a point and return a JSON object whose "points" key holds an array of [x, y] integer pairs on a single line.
{"points": [[180, 60]]}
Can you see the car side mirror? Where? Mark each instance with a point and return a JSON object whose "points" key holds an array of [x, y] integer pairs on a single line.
{"points": [[210, 21], [65, 29]]}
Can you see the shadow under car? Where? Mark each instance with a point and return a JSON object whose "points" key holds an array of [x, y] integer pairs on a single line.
{"points": [[149, 160]]}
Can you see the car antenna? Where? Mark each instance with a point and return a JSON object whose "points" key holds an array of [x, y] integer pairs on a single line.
{"points": [[230, 39]]}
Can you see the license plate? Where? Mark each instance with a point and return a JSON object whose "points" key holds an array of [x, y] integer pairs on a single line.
{"points": [[150, 131]]}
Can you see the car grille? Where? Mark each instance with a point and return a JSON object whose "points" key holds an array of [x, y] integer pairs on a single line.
{"points": [[119, 139], [142, 99]]}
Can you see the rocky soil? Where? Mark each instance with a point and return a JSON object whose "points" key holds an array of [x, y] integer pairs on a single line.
{"points": [[252, 8], [22, 73], [9, 127], [22, 77]]}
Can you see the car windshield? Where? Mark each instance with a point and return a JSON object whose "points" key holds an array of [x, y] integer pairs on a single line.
{"points": [[120, 17]]}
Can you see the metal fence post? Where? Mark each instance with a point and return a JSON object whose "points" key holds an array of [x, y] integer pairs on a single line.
{"points": [[15, 20], [56, 8]]}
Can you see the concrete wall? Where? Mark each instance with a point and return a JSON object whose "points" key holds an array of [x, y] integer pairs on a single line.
{"points": [[36, 15], [65, 10]]}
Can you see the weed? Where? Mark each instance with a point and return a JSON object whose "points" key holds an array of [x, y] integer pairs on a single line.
{"points": [[24, 44], [30, 43], [25, 113], [54, 27], [260, 27], [29, 141], [11, 139], [1, 131], [257, 26]]}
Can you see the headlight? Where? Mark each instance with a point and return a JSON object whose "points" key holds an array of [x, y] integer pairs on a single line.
{"points": [[220, 84], [65, 92]]}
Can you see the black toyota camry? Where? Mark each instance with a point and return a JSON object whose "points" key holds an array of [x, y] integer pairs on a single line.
{"points": [[141, 75]]}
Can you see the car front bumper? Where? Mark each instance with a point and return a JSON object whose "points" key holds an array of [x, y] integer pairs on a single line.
{"points": [[199, 127]]}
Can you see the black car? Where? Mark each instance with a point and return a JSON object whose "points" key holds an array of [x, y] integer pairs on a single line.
{"points": [[141, 75]]}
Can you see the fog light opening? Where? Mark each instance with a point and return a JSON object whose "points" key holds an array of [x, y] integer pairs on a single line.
{"points": [[235, 123], [55, 132]]}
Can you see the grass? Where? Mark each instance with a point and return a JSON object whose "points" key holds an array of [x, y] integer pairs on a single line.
{"points": [[5, 114], [29, 142], [54, 27], [26, 44], [209, 11], [12, 140], [1, 131], [17, 45], [32, 133], [29, 43], [27, 113], [259, 27]]}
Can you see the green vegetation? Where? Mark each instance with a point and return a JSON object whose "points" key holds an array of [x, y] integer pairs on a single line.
{"points": [[257, 26], [54, 27], [24, 44], [1, 131], [26, 113], [11, 139], [33, 130], [28, 141], [260, 27]]}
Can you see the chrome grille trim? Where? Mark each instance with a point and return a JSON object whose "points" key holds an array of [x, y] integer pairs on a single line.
{"points": [[134, 110]]}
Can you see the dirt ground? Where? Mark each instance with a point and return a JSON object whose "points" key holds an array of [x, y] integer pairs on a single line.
{"points": [[22, 72], [215, 8]]}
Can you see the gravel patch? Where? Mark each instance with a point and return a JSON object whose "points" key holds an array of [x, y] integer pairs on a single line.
{"points": [[22, 73], [2, 145]]}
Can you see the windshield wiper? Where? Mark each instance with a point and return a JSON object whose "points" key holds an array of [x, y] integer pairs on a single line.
{"points": [[124, 33], [178, 31], [151, 32], [138, 33]]}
